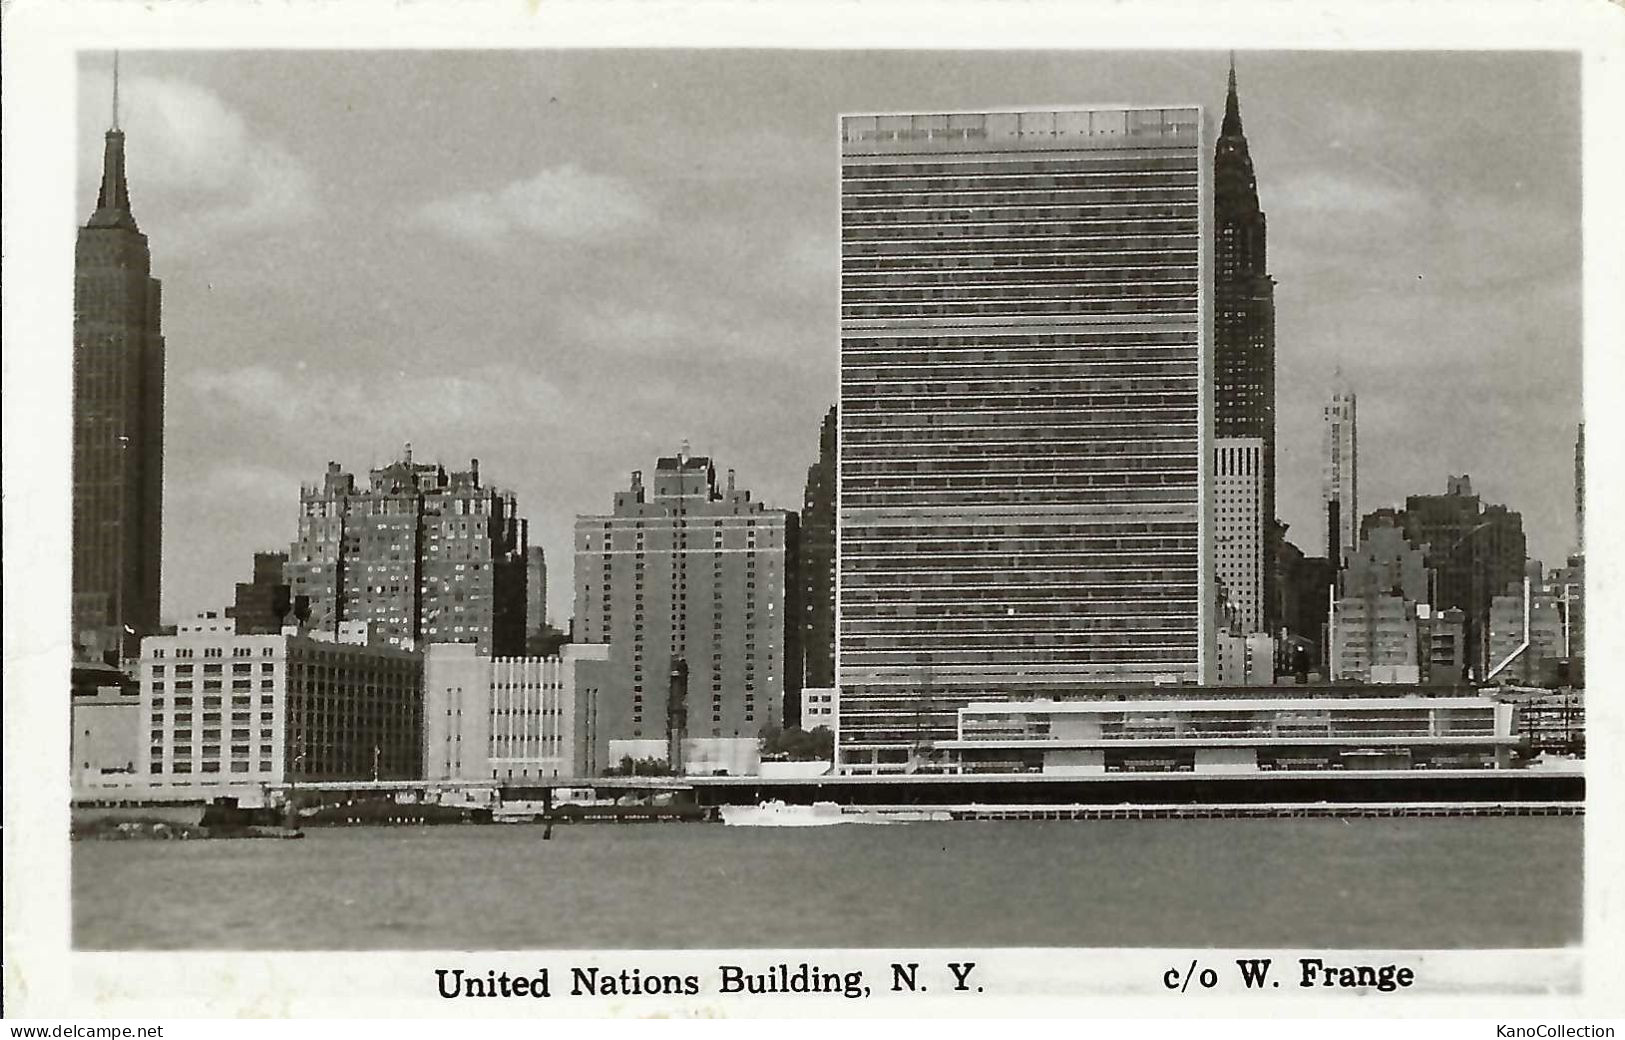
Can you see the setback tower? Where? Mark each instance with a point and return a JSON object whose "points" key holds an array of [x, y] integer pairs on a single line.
{"points": [[118, 421]]}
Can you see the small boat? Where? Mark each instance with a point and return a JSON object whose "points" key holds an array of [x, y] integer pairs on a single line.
{"points": [[823, 814], [778, 814]]}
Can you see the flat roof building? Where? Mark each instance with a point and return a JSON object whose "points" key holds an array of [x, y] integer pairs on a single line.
{"points": [[692, 586], [1229, 735], [1239, 525], [223, 709], [512, 718], [1025, 423]]}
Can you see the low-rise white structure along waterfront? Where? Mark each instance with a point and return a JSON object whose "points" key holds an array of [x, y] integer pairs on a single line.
{"points": [[226, 711], [513, 718], [1234, 734]]}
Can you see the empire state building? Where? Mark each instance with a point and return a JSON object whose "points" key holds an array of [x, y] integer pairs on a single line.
{"points": [[118, 420], [1244, 352]]}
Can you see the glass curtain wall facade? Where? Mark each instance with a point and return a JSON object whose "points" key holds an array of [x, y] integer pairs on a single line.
{"points": [[1025, 416]]}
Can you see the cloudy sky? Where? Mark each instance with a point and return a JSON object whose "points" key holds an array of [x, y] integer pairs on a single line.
{"points": [[566, 263]]}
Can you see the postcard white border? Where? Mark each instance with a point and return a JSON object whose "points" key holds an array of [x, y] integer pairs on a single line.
{"points": [[44, 978]]}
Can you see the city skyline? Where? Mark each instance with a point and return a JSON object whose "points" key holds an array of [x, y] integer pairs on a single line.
{"points": [[512, 301]]}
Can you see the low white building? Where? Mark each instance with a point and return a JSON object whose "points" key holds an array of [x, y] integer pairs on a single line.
{"points": [[511, 718], [222, 710], [1234, 734]]}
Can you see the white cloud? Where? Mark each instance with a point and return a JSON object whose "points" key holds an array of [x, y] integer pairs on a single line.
{"points": [[399, 404], [628, 327], [1330, 192], [562, 203], [195, 158]]}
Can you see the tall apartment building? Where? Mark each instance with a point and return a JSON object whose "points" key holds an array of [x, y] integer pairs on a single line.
{"points": [[429, 556], [118, 422], [1475, 551], [693, 587], [1025, 414], [1340, 473], [1244, 336], [512, 719], [220, 708], [817, 563], [1239, 526]]}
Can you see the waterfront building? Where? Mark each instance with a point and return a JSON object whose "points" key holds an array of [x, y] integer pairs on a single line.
{"points": [[1340, 472], [220, 708], [817, 560], [693, 587], [105, 727], [1239, 525], [1243, 350], [265, 604], [427, 555], [1475, 552], [1235, 735], [1025, 416], [512, 719], [118, 422]]}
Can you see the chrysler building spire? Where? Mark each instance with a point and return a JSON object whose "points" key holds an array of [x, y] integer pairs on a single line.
{"points": [[1232, 105]]}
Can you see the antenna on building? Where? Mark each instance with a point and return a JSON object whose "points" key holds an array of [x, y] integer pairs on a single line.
{"points": [[115, 90]]}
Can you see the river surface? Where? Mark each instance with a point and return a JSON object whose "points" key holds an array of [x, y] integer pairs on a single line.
{"points": [[1358, 883]]}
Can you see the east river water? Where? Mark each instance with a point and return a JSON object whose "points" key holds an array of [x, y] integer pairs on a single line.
{"points": [[1358, 883]]}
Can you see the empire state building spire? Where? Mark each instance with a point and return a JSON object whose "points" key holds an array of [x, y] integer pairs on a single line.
{"points": [[113, 200]]}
